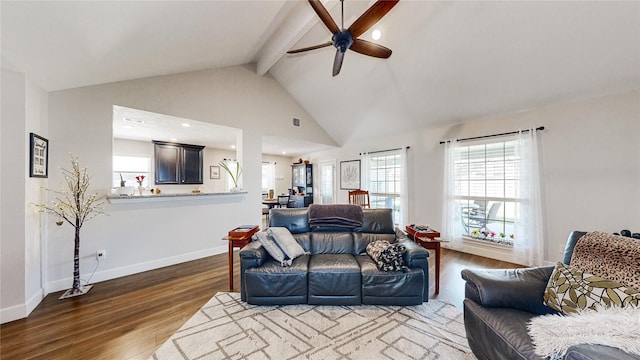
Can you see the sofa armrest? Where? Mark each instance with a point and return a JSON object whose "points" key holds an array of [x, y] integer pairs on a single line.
{"points": [[253, 255], [520, 289], [415, 253]]}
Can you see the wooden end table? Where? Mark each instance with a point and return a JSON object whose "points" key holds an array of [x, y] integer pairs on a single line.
{"points": [[237, 242], [429, 239]]}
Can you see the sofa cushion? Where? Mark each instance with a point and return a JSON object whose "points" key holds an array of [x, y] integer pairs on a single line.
{"points": [[570, 289], [334, 278], [286, 242], [361, 240], [274, 284], [293, 219], [272, 247], [340, 242], [405, 288], [377, 221]]}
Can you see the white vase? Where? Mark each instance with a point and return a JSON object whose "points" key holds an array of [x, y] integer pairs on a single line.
{"points": [[235, 189], [140, 190]]}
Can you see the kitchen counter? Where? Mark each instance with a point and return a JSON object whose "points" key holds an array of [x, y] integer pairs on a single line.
{"points": [[119, 199]]}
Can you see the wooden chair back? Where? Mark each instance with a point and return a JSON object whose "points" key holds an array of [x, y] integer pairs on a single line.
{"points": [[359, 197]]}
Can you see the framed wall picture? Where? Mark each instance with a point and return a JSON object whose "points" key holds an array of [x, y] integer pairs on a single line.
{"points": [[350, 175], [39, 156], [214, 172]]}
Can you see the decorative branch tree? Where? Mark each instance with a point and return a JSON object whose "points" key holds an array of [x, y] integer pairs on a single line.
{"points": [[75, 206]]}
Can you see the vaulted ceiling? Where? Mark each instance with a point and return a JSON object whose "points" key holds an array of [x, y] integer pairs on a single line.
{"points": [[452, 61]]}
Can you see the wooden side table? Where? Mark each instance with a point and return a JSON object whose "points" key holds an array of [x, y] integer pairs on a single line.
{"points": [[236, 242], [429, 239]]}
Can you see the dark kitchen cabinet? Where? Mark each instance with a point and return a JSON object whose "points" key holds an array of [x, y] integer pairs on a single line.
{"points": [[177, 163]]}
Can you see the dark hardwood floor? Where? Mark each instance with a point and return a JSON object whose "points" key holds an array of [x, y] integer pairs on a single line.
{"points": [[130, 317]]}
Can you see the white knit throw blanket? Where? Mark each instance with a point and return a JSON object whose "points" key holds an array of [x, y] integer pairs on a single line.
{"points": [[617, 327]]}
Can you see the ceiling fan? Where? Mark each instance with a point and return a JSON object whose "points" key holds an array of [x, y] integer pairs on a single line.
{"points": [[344, 39]]}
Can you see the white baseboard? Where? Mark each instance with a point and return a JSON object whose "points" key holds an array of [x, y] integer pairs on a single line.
{"points": [[21, 311], [34, 300], [109, 274], [13, 313]]}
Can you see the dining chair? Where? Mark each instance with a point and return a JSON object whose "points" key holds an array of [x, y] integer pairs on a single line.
{"points": [[359, 197], [283, 201]]}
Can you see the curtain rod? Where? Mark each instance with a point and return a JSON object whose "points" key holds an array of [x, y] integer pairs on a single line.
{"points": [[379, 151], [494, 135]]}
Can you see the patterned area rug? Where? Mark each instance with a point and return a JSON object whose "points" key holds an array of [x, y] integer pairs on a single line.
{"points": [[227, 328]]}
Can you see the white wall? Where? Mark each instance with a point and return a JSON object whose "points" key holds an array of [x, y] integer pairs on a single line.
{"points": [[138, 236], [590, 166], [24, 110], [143, 236]]}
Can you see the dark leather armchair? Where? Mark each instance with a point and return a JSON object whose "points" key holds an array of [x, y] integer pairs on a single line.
{"points": [[499, 303]]}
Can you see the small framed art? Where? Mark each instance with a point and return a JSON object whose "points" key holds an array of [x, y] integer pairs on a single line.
{"points": [[38, 156], [214, 172], [350, 175]]}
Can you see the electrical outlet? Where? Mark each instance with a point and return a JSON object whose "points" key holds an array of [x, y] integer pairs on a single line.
{"points": [[101, 254]]}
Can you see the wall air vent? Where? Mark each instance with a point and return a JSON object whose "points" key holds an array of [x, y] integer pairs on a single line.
{"points": [[296, 122]]}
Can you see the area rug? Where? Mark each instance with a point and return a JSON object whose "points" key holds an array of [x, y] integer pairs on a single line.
{"points": [[227, 328]]}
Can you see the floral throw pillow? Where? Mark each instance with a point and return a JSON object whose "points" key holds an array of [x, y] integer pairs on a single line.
{"points": [[570, 290]]}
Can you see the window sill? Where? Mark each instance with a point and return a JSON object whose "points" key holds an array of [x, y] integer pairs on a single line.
{"points": [[487, 243], [121, 199]]}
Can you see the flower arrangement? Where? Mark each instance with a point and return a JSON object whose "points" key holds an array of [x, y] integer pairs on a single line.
{"points": [[140, 179], [234, 177], [492, 236]]}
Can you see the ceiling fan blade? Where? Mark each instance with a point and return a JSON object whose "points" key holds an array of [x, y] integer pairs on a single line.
{"points": [[337, 62], [368, 48], [324, 16], [371, 16], [319, 46]]}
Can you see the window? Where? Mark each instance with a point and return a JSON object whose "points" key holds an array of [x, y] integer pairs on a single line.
{"points": [[486, 190], [384, 182], [130, 167], [327, 181], [268, 176]]}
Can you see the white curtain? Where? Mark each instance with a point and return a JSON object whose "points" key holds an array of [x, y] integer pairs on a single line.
{"points": [[451, 217], [529, 238], [365, 160], [404, 189]]}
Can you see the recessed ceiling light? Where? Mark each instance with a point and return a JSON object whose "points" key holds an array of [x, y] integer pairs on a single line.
{"points": [[233, 146], [174, 139], [186, 125], [376, 34], [284, 153]]}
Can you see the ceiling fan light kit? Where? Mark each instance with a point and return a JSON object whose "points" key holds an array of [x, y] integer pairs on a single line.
{"points": [[344, 39]]}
